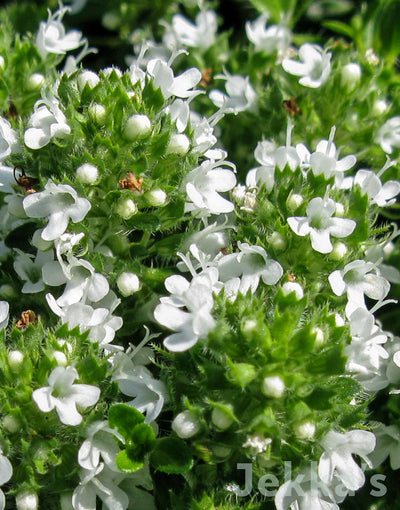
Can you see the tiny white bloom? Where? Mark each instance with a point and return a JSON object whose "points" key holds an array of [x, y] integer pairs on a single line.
{"points": [[31, 270], [128, 283], [8, 139], [350, 76], [337, 459], [100, 443], [137, 126], [268, 40], [387, 445], [35, 81], [178, 144], [293, 287], [126, 208], [240, 94], [380, 194], [320, 224], [314, 68], [87, 173], [46, 122], [200, 34], [273, 386], [358, 278], [63, 395], [388, 135], [170, 85], [51, 37], [58, 202], [89, 78]]}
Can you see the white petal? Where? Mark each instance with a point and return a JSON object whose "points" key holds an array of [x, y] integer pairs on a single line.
{"points": [[320, 241], [299, 225], [44, 399], [85, 395], [342, 227]]}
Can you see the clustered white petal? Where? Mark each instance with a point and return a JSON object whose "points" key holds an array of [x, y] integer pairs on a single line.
{"points": [[314, 68]]}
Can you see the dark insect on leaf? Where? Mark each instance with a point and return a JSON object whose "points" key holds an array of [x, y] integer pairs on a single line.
{"points": [[24, 181], [291, 106]]}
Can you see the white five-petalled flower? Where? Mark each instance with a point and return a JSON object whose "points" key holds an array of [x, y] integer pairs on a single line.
{"points": [[321, 224], [315, 68], [63, 395]]}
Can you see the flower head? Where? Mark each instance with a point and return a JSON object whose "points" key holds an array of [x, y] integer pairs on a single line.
{"points": [[51, 37], [314, 68], [320, 224], [63, 395], [240, 94], [268, 40], [388, 136], [8, 139], [200, 34]]}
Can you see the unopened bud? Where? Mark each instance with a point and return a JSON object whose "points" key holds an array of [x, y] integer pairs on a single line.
{"points": [[186, 424], [319, 337], [289, 287], [128, 283], [156, 197], [305, 430], [379, 108], [60, 358], [87, 77], [2, 63], [178, 144], [221, 419], [35, 81], [294, 201], [350, 76], [97, 113], [15, 360], [137, 126], [87, 173], [339, 251], [10, 424], [273, 386], [27, 501], [277, 241], [126, 208]]}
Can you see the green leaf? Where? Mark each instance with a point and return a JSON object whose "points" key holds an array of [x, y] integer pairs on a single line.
{"points": [[124, 418], [126, 464], [339, 27], [171, 455], [93, 369], [142, 439]]}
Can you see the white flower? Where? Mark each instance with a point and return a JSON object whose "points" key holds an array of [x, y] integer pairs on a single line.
{"points": [[268, 40], [203, 185], [63, 395], [4, 311], [51, 37], [179, 86], [387, 445], [100, 482], [315, 68], [31, 271], [356, 279], [100, 322], [320, 224], [201, 34], [100, 442], [203, 137], [46, 122], [250, 265], [240, 94], [378, 193], [6, 471], [308, 492], [350, 76], [8, 139], [388, 135], [58, 202], [337, 459], [190, 325], [137, 381]]}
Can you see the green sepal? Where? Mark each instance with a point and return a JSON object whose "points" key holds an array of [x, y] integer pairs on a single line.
{"points": [[171, 455], [126, 464], [124, 418]]}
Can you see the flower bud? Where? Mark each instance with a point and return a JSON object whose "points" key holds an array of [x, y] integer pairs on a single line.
{"points": [[305, 430], [35, 81], [289, 287], [7, 292], [294, 201], [110, 70], [186, 424], [15, 360], [87, 77], [239, 193], [221, 419], [111, 20], [97, 113], [319, 337], [2, 63], [339, 251], [27, 501], [273, 386], [277, 241], [87, 173], [156, 197], [379, 107], [350, 76], [128, 283], [126, 208], [178, 144], [249, 202], [60, 358], [10, 424], [339, 210], [137, 126]]}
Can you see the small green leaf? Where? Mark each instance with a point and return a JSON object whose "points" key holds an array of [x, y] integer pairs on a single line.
{"points": [[171, 455], [124, 418], [126, 464]]}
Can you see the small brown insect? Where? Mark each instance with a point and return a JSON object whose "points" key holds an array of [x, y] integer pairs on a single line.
{"points": [[291, 277], [27, 317], [291, 106], [131, 182], [206, 77], [24, 181]]}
